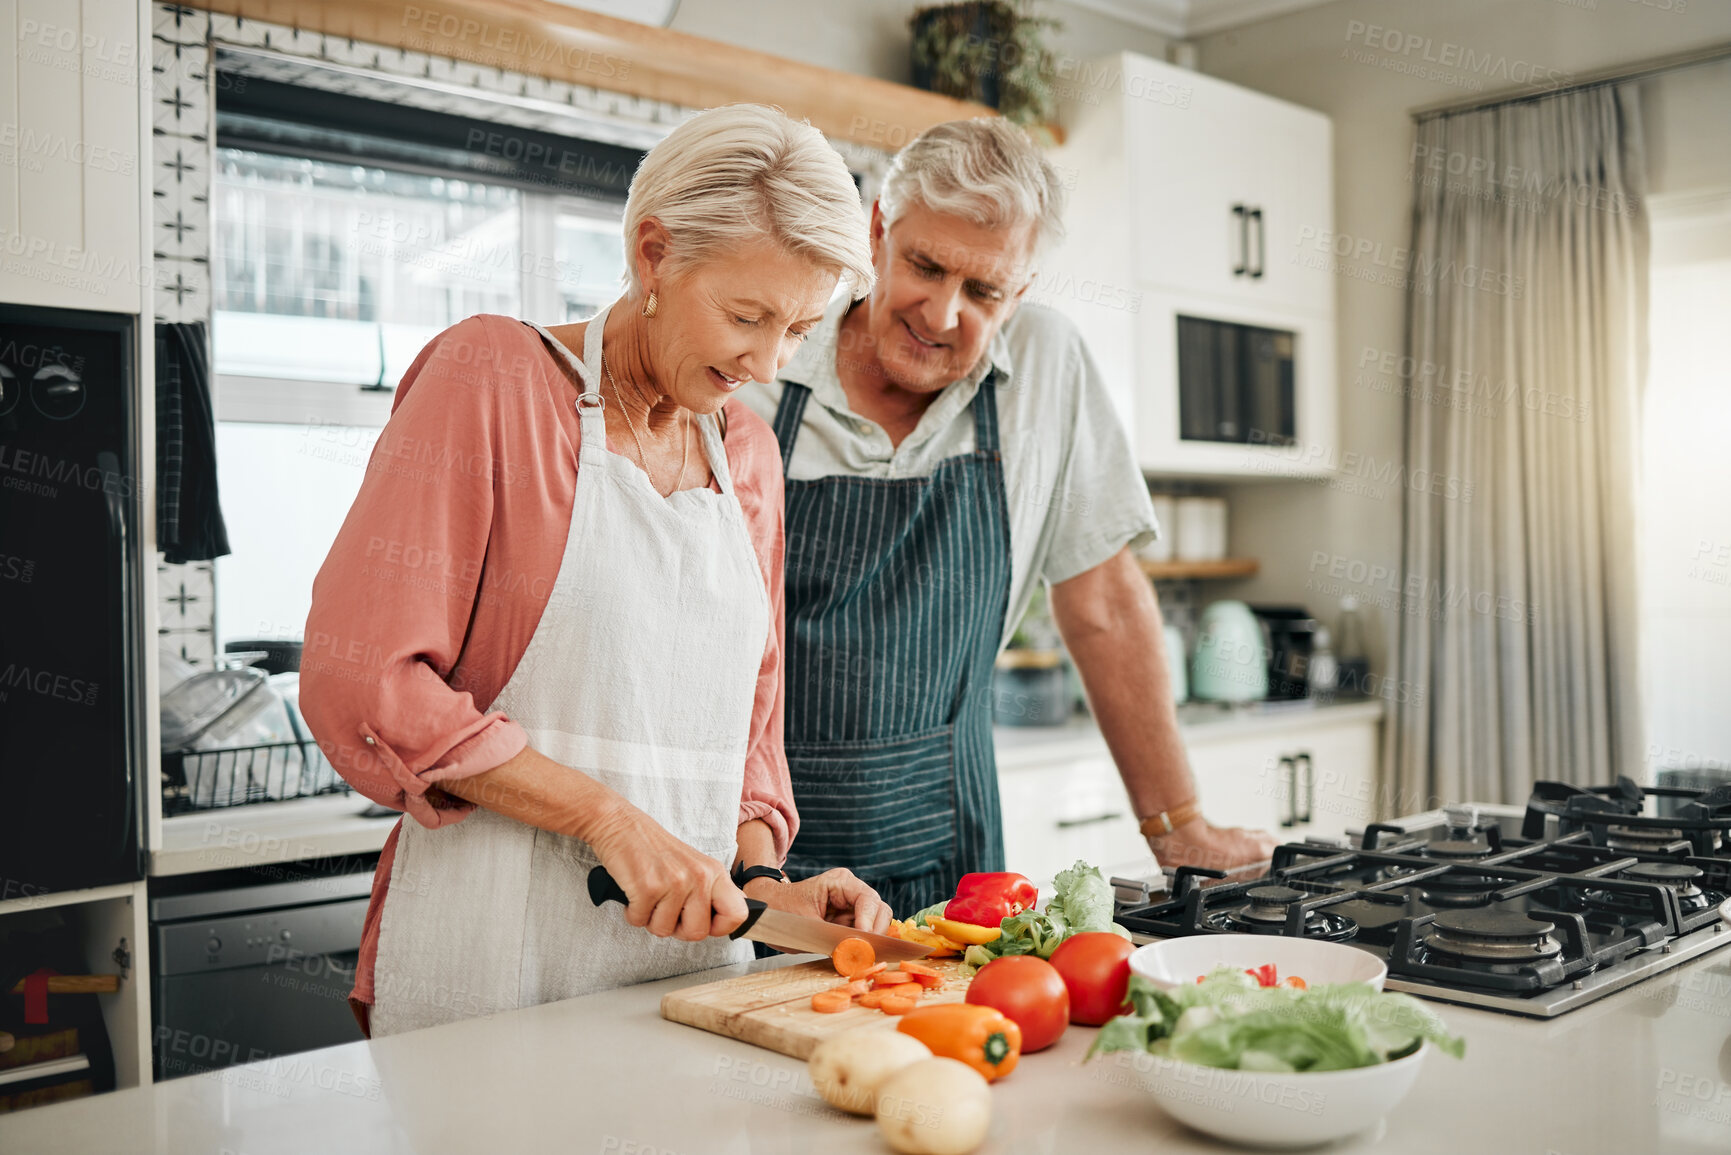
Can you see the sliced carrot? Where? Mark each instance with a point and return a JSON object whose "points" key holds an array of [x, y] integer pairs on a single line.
{"points": [[893, 1005], [857, 987], [875, 968], [891, 978], [914, 967], [871, 999], [904, 990], [852, 957], [831, 1002], [926, 981]]}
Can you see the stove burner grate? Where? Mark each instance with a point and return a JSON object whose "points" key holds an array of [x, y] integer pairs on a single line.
{"points": [[1268, 911]]}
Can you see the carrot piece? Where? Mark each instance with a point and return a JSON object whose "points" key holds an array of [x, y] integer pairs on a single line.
{"points": [[857, 987], [899, 988], [891, 978], [871, 999], [831, 1002], [852, 956], [875, 968], [894, 1005], [914, 967], [926, 981]]}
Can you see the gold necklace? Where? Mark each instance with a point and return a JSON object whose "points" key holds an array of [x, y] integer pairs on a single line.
{"points": [[643, 458]]}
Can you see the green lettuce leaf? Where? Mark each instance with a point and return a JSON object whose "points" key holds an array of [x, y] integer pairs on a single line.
{"points": [[1229, 1020], [1082, 899]]}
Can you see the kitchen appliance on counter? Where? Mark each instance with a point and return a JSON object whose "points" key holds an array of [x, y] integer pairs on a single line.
{"points": [[71, 608], [1534, 912], [1228, 664], [1288, 633], [253, 963]]}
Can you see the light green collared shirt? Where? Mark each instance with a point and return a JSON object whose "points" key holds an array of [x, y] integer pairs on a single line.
{"points": [[1076, 496]]}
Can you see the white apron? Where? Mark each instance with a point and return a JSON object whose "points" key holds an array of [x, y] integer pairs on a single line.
{"points": [[641, 673]]}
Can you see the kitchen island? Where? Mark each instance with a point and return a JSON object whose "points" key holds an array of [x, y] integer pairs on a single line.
{"points": [[1643, 1072]]}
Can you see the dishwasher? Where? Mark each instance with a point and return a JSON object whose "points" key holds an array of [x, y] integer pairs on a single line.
{"points": [[254, 963]]}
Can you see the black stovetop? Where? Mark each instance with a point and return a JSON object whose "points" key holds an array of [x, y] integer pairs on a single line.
{"points": [[1591, 880]]}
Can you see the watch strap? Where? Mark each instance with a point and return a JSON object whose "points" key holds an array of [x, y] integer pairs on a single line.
{"points": [[1164, 823], [743, 874]]}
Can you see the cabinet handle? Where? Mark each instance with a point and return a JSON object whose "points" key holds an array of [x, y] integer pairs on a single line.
{"points": [[1067, 823], [1289, 774], [1256, 215], [1242, 265], [1302, 765]]}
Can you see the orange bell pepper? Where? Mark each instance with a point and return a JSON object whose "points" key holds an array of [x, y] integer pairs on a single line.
{"points": [[982, 1037]]}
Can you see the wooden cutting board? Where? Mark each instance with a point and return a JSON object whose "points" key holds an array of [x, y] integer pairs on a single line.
{"points": [[773, 1008]]}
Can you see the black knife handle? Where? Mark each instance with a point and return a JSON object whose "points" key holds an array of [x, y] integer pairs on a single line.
{"points": [[602, 888]]}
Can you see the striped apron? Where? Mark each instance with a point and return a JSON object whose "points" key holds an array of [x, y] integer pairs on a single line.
{"points": [[896, 595]]}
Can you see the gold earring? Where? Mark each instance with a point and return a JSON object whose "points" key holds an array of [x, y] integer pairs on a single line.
{"points": [[650, 305]]}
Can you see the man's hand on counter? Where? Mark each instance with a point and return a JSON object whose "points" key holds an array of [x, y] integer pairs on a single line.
{"points": [[834, 896], [1196, 843]]}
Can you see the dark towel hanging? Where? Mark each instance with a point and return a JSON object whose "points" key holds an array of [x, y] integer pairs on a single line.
{"points": [[189, 524]]}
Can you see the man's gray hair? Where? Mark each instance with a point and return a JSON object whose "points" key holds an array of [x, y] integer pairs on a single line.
{"points": [[986, 171]]}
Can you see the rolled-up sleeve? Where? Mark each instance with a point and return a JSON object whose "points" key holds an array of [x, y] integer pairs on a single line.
{"points": [[754, 457], [393, 603]]}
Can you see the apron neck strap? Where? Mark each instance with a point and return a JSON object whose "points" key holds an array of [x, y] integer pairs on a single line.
{"points": [[790, 413]]}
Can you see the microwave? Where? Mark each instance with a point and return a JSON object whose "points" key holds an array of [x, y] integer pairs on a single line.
{"points": [[1236, 383]]}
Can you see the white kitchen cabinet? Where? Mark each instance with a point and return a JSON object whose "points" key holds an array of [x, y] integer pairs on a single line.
{"points": [[1062, 797], [1067, 809], [74, 75], [1193, 197], [1316, 779]]}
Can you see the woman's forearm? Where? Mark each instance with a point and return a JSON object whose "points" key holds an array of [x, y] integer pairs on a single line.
{"points": [[534, 789]]}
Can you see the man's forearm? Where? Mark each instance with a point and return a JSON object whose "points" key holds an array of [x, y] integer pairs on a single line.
{"points": [[1111, 624]]}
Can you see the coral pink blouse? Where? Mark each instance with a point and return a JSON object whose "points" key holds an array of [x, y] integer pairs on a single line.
{"points": [[443, 567]]}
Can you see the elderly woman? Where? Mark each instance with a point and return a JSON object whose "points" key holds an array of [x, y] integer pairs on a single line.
{"points": [[550, 629]]}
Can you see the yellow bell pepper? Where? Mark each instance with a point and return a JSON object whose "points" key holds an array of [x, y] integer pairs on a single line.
{"points": [[965, 932]]}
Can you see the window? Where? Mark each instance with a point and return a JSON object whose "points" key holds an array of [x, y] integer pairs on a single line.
{"points": [[329, 278]]}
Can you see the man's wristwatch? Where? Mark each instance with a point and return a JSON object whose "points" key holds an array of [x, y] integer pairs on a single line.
{"points": [[1164, 823], [743, 874]]}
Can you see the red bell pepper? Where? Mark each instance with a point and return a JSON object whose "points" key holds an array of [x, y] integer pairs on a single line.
{"points": [[988, 899], [1265, 975]]}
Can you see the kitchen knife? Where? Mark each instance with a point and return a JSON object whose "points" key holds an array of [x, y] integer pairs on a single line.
{"points": [[777, 928]]}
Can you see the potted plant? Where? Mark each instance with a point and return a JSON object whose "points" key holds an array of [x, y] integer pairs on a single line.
{"points": [[992, 52]]}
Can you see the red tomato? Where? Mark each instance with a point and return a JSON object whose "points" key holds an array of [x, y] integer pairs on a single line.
{"points": [[1028, 990], [1096, 970]]}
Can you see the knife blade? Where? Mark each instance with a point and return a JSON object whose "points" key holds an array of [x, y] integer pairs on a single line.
{"points": [[777, 928]]}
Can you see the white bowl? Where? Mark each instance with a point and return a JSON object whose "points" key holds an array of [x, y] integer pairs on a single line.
{"points": [[1175, 962], [1269, 1109]]}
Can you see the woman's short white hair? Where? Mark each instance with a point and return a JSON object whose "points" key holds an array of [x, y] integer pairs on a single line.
{"points": [[742, 173], [986, 171]]}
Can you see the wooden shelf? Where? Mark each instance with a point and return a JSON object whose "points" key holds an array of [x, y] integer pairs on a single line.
{"points": [[542, 38], [1231, 567]]}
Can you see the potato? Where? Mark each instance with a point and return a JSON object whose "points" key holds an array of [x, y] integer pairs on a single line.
{"points": [[935, 1107], [847, 1068]]}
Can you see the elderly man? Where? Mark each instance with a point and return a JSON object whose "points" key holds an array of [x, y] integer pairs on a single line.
{"points": [[944, 450]]}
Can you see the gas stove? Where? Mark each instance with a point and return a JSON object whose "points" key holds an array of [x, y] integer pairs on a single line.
{"points": [[1532, 911]]}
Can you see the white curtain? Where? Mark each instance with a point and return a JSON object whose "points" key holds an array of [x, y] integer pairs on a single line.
{"points": [[1526, 332]]}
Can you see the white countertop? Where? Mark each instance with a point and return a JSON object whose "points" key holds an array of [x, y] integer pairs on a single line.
{"points": [[326, 826], [1644, 1072]]}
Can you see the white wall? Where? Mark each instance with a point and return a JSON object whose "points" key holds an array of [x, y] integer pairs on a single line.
{"points": [[1319, 58], [871, 37]]}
